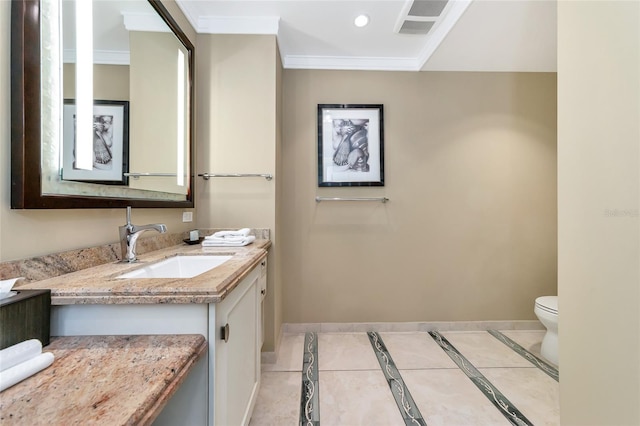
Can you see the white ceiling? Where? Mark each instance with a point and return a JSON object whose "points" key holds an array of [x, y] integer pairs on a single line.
{"points": [[469, 35]]}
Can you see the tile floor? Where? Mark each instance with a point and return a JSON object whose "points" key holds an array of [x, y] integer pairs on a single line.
{"points": [[438, 378]]}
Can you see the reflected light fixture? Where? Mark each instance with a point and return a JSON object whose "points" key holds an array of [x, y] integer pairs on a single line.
{"points": [[361, 21], [84, 85], [180, 101]]}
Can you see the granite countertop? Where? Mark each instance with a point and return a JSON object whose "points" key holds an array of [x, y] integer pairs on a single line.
{"points": [[99, 285], [112, 380]]}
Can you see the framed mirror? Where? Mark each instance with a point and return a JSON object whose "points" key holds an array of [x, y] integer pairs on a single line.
{"points": [[125, 138]]}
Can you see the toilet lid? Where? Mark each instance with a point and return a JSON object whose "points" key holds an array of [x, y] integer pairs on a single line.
{"points": [[548, 303]]}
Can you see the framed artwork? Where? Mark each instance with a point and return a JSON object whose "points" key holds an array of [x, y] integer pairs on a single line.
{"points": [[110, 143], [350, 145]]}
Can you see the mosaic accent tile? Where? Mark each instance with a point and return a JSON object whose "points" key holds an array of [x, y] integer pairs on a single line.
{"points": [[408, 409], [512, 414], [309, 399], [549, 369]]}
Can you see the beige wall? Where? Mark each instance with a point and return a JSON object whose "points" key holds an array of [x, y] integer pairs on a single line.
{"points": [[469, 232], [110, 82], [236, 129], [26, 233], [598, 219], [153, 113], [237, 111], [276, 299]]}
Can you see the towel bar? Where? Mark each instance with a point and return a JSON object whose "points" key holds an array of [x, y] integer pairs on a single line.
{"points": [[207, 176], [139, 175], [381, 199]]}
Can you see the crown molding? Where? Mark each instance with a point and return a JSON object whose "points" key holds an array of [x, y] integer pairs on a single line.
{"points": [[238, 24], [144, 22], [349, 63], [270, 26]]}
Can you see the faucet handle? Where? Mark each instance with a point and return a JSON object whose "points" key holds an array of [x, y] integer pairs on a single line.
{"points": [[128, 216]]}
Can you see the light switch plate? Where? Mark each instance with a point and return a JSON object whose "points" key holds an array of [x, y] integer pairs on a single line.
{"points": [[187, 216]]}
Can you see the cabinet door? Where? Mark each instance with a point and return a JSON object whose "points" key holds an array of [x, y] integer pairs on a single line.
{"points": [[237, 373]]}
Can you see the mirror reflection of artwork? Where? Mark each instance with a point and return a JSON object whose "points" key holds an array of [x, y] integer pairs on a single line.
{"points": [[102, 142], [110, 141], [350, 145]]}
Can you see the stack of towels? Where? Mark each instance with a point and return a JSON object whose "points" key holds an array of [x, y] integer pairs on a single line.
{"points": [[237, 238], [22, 360]]}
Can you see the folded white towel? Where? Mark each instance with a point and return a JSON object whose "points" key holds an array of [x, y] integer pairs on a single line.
{"points": [[231, 239], [226, 234], [224, 242], [20, 352], [18, 373]]}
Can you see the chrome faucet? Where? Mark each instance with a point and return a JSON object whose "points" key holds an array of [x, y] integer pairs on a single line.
{"points": [[129, 234]]}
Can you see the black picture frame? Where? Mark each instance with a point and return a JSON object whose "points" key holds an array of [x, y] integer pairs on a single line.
{"points": [[111, 128], [350, 145]]}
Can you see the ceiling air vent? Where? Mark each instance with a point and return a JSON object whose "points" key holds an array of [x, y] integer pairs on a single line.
{"points": [[427, 8], [419, 16], [415, 27]]}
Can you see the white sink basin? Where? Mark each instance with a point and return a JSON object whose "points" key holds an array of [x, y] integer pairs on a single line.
{"points": [[178, 267]]}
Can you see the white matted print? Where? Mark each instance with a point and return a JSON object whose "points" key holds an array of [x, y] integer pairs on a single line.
{"points": [[350, 145], [110, 143]]}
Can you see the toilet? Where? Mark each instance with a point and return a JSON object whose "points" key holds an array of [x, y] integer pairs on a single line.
{"points": [[546, 309]]}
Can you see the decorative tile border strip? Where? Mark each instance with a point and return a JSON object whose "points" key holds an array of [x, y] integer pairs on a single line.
{"points": [[309, 398], [538, 362], [496, 397], [408, 409]]}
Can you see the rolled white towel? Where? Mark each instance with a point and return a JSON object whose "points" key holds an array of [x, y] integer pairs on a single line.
{"points": [[20, 352], [223, 242], [226, 234], [18, 373]]}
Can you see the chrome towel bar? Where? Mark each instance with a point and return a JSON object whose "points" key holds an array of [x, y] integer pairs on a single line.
{"points": [[207, 176], [381, 199], [138, 175]]}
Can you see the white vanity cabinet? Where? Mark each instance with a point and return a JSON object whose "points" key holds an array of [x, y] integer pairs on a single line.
{"points": [[237, 353], [222, 389]]}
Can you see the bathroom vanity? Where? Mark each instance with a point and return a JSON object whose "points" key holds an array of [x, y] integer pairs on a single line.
{"points": [[223, 304]]}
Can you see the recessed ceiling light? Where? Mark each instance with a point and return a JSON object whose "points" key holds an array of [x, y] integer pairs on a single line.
{"points": [[361, 21]]}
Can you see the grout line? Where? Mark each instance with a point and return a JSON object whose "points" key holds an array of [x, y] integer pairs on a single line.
{"points": [[496, 397], [408, 409], [549, 369], [309, 397]]}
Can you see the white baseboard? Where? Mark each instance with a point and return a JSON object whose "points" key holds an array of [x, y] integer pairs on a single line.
{"points": [[272, 357], [411, 326]]}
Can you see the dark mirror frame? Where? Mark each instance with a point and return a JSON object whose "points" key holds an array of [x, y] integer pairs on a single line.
{"points": [[26, 179]]}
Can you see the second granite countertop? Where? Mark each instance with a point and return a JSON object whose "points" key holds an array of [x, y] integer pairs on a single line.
{"points": [[99, 285], [110, 380]]}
